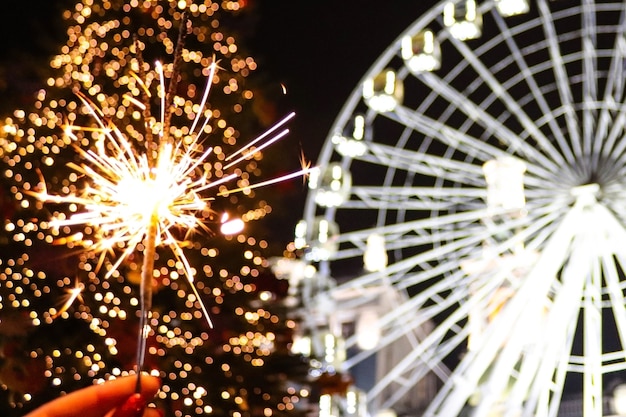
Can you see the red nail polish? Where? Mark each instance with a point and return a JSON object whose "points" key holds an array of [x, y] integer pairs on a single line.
{"points": [[133, 407]]}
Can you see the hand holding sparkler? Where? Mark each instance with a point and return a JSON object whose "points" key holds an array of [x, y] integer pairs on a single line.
{"points": [[138, 199], [101, 400]]}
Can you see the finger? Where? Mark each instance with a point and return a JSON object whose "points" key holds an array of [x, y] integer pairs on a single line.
{"points": [[96, 400], [134, 406], [147, 412], [152, 412]]}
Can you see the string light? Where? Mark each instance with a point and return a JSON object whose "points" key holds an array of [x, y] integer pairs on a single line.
{"points": [[99, 59]]}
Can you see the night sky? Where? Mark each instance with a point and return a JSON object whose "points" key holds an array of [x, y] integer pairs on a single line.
{"points": [[320, 50]]}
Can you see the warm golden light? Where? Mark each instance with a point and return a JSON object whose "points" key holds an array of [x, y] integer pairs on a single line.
{"points": [[117, 185], [130, 197]]}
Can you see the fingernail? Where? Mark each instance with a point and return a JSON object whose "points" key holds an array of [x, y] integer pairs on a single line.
{"points": [[133, 407]]}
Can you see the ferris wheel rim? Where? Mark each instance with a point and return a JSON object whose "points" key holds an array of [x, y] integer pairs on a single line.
{"points": [[542, 166]]}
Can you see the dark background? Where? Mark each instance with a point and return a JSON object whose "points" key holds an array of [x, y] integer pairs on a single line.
{"points": [[321, 49], [318, 50]]}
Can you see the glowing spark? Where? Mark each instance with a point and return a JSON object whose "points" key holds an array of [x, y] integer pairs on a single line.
{"points": [[305, 165], [73, 294], [302, 172], [131, 199], [125, 195], [258, 139], [159, 70], [143, 85], [205, 96], [135, 102]]}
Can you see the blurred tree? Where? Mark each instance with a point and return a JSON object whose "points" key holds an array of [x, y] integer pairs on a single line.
{"points": [[242, 366]]}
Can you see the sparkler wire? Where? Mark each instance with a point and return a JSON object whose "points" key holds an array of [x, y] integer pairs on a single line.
{"points": [[136, 199], [145, 291], [147, 270]]}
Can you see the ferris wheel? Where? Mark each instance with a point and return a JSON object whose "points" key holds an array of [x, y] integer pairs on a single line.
{"points": [[467, 222]]}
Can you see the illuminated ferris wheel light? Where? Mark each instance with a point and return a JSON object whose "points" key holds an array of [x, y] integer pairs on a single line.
{"points": [[496, 185], [505, 183], [368, 329], [509, 8], [332, 185], [421, 52], [353, 144], [463, 20], [356, 403], [319, 239], [375, 256], [619, 400], [383, 92]]}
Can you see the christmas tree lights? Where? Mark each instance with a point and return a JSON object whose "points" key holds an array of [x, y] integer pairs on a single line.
{"points": [[103, 75]]}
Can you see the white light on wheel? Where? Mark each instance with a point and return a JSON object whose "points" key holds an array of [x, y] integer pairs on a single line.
{"points": [[383, 92], [421, 52], [512, 7], [463, 20]]}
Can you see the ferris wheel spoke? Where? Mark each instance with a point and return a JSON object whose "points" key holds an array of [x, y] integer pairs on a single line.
{"points": [[592, 322], [511, 104], [549, 320], [604, 141], [430, 127], [555, 352], [413, 198], [536, 284], [536, 235], [406, 280], [451, 323], [615, 150], [400, 267], [534, 89], [545, 393], [472, 146], [394, 325], [615, 78], [425, 228], [543, 216], [422, 224], [424, 198], [610, 273], [440, 299], [457, 379], [425, 164], [616, 297], [494, 127], [418, 370], [565, 92], [589, 83]]}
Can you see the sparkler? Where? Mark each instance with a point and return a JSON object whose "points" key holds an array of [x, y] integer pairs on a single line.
{"points": [[140, 198]]}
